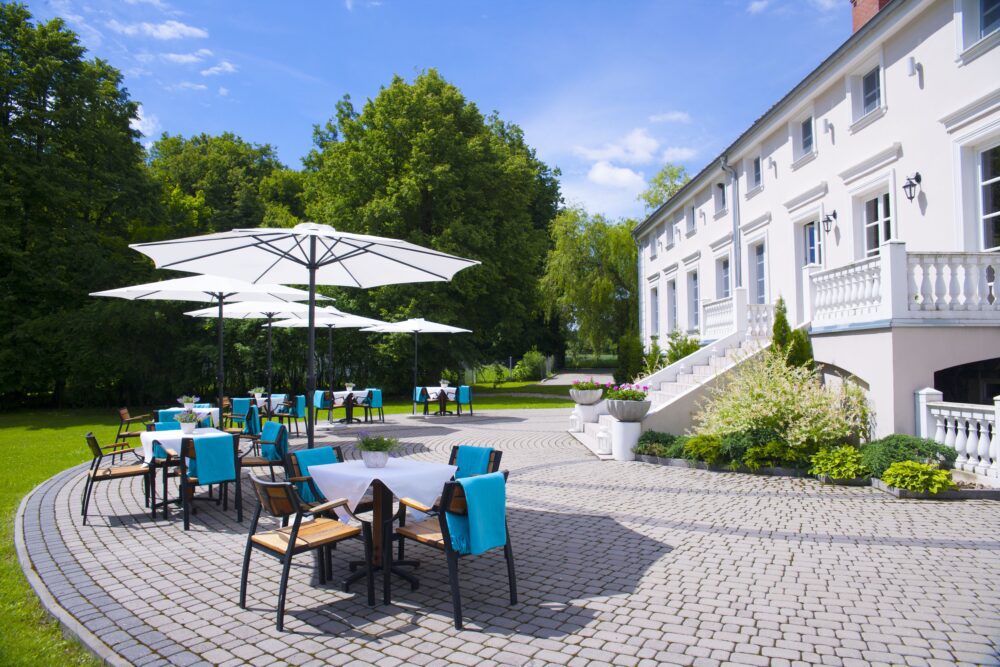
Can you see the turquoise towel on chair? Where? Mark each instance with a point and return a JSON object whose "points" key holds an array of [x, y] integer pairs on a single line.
{"points": [[240, 407], [376, 401], [300, 407], [167, 426], [214, 461], [312, 457], [252, 427], [485, 525], [472, 461], [417, 391], [278, 434], [464, 396], [159, 452], [318, 400]]}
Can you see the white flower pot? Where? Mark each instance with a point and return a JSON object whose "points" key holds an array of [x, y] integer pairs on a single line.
{"points": [[445, 383], [349, 386], [258, 396], [189, 406], [375, 459], [188, 427], [624, 438], [586, 396], [628, 411]]}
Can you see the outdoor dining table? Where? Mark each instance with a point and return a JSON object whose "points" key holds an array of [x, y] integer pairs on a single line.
{"points": [[271, 402], [167, 415], [339, 399], [404, 478], [170, 439], [439, 394]]}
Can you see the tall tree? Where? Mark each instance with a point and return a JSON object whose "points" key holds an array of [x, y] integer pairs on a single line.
{"points": [[590, 276], [421, 163], [663, 185]]}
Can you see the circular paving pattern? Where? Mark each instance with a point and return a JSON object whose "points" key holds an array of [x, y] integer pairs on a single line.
{"points": [[623, 563]]}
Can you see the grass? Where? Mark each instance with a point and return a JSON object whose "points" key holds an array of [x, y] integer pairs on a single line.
{"points": [[591, 361], [530, 387], [40, 443]]}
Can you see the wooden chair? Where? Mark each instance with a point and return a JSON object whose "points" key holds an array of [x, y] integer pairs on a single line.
{"points": [[101, 473], [238, 415], [309, 493], [463, 396], [281, 500], [125, 429], [434, 532], [225, 410], [163, 459], [267, 450], [190, 482], [293, 412], [321, 401], [372, 403], [420, 397]]}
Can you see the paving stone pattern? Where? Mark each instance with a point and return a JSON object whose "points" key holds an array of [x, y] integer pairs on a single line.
{"points": [[618, 563]]}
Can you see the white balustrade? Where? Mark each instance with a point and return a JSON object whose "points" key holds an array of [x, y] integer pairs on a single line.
{"points": [[718, 318], [952, 281], [760, 320], [970, 429], [847, 292]]}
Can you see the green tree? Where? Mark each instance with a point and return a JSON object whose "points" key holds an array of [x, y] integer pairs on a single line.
{"points": [[420, 162], [781, 332], [663, 185], [630, 358], [800, 351], [680, 345], [590, 278]]}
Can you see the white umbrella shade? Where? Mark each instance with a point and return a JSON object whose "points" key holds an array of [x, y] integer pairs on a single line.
{"points": [[209, 288], [417, 326], [308, 253]]}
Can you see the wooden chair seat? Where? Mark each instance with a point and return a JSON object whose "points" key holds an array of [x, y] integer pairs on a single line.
{"points": [[258, 461], [426, 532], [120, 471], [311, 535]]}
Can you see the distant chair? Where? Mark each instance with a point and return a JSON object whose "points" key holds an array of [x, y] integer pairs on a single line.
{"points": [[321, 401], [420, 397], [473, 520], [463, 396], [125, 430], [281, 501], [207, 461], [268, 450], [98, 472], [225, 410], [372, 403], [164, 460], [293, 412]]}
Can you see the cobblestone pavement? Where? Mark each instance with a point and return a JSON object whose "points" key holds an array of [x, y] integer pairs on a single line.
{"points": [[623, 563]]}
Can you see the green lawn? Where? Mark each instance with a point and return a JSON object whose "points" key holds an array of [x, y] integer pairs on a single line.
{"points": [[38, 444], [522, 388]]}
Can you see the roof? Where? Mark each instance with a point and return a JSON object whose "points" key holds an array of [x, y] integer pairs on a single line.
{"points": [[842, 51]]}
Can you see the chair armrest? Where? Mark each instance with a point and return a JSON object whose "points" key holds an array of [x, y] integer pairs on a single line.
{"points": [[327, 506], [117, 445], [170, 452], [298, 479], [413, 504], [137, 418]]}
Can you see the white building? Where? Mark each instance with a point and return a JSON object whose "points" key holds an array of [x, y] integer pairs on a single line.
{"points": [[869, 199]]}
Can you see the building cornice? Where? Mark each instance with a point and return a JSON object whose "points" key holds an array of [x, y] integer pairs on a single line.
{"points": [[872, 163]]}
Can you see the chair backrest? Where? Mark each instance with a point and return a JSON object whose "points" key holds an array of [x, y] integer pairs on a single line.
{"points": [[300, 405], [189, 458], [226, 403], [375, 398], [278, 499], [453, 497], [95, 447], [464, 395], [274, 441], [241, 406], [454, 505], [252, 422], [320, 398], [419, 394], [163, 426], [300, 468], [123, 414], [492, 463]]}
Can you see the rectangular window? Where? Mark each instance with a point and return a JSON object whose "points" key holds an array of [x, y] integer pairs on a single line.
{"points": [[654, 312], [672, 304], [693, 300], [691, 221], [878, 224], [760, 291], [871, 91], [989, 17], [813, 244], [756, 175], [670, 235], [806, 128], [722, 197], [722, 288], [654, 242], [989, 184]]}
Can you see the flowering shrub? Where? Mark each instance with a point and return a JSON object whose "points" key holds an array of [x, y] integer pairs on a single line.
{"points": [[585, 385], [188, 417], [767, 396], [625, 392]]}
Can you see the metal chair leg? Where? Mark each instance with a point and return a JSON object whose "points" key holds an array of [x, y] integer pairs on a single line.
{"points": [[244, 575], [456, 598], [511, 579], [282, 589]]}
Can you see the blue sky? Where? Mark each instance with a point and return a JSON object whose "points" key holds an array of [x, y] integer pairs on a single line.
{"points": [[606, 90]]}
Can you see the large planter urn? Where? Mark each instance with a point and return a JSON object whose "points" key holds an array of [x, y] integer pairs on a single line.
{"points": [[586, 396], [188, 427], [628, 411], [374, 459]]}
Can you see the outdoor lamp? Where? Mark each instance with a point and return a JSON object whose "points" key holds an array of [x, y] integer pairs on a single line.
{"points": [[910, 186], [828, 221]]}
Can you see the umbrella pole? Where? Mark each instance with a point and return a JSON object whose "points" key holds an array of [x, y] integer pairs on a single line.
{"points": [[329, 356], [416, 335], [269, 358], [220, 375], [311, 361]]}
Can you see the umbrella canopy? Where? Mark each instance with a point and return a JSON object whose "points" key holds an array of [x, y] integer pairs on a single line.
{"points": [[308, 253], [417, 326], [209, 288]]}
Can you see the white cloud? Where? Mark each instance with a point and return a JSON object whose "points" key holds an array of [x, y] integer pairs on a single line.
{"points": [[146, 123], [163, 31], [606, 174], [349, 4], [827, 5], [225, 67], [187, 58], [636, 147], [757, 6], [678, 153], [186, 85], [223, 92], [671, 117]]}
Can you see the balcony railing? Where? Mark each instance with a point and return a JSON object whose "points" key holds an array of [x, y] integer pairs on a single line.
{"points": [[972, 430]]}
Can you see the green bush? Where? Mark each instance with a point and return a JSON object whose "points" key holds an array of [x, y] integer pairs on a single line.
{"points": [[652, 360], [680, 345], [707, 448], [877, 456], [774, 454], [781, 332], [450, 375], [664, 445], [800, 350], [736, 444], [649, 437], [918, 477], [630, 358], [839, 463], [530, 367]]}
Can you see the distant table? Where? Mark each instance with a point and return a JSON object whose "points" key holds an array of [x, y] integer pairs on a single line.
{"points": [[339, 398], [170, 439], [439, 394], [271, 402], [168, 414]]}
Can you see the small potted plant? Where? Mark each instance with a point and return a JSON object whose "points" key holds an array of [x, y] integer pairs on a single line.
{"points": [[586, 392], [189, 420], [627, 402], [349, 386], [445, 383], [375, 449], [187, 402], [258, 392]]}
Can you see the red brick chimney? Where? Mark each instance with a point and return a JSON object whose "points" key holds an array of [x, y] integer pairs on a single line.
{"points": [[862, 11]]}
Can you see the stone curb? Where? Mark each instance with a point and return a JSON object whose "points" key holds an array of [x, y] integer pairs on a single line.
{"points": [[70, 626]]}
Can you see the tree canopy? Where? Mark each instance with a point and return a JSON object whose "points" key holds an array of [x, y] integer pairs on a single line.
{"points": [[663, 185]]}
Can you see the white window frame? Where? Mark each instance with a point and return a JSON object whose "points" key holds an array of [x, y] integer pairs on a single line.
{"points": [[720, 199], [654, 311], [759, 276], [860, 117], [970, 43], [672, 304], [670, 235], [694, 301], [692, 220], [654, 243], [817, 245], [980, 210], [883, 197], [723, 277], [800, 155]]}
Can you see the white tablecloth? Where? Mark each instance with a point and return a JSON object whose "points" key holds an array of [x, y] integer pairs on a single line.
{"points": [[434, 392], [169, 439], [212, 412], [405, 478], [271, 401]]}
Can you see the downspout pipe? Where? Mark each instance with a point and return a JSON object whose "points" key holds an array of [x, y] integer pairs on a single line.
{"points": [[737, 241]]}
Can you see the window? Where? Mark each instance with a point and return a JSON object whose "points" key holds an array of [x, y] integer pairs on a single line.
{"points": [[871, 91], [878, 224], [755, 175], [670, 235], [722, 278], [806, 130], [654, 312], [989, 17], [653, 244], [692, 223], [989, 184], [813, 244], [672, 304], [760, 287], [693, 314], [720, 198]]}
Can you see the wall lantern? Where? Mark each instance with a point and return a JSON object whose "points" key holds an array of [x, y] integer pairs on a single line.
{"points": [[828, 221], [910, 186]]}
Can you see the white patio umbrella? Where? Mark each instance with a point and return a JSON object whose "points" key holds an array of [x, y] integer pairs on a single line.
{"points": [[309, 253], [416, 326], [258, 310], [209, 288]]}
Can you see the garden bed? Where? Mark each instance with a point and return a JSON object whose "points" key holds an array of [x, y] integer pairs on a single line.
{"points": [[700, 465], [959, 494], [856, 481]]}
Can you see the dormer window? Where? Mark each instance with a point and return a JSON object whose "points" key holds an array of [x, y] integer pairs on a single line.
{"points": [[806, 133]]}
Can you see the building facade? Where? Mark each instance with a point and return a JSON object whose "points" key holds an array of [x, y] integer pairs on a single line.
{"points": [[868, 198]]}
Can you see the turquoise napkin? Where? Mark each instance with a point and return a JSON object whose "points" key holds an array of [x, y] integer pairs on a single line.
{"points": [[472, 461], [485, 525], [214, 460]]}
